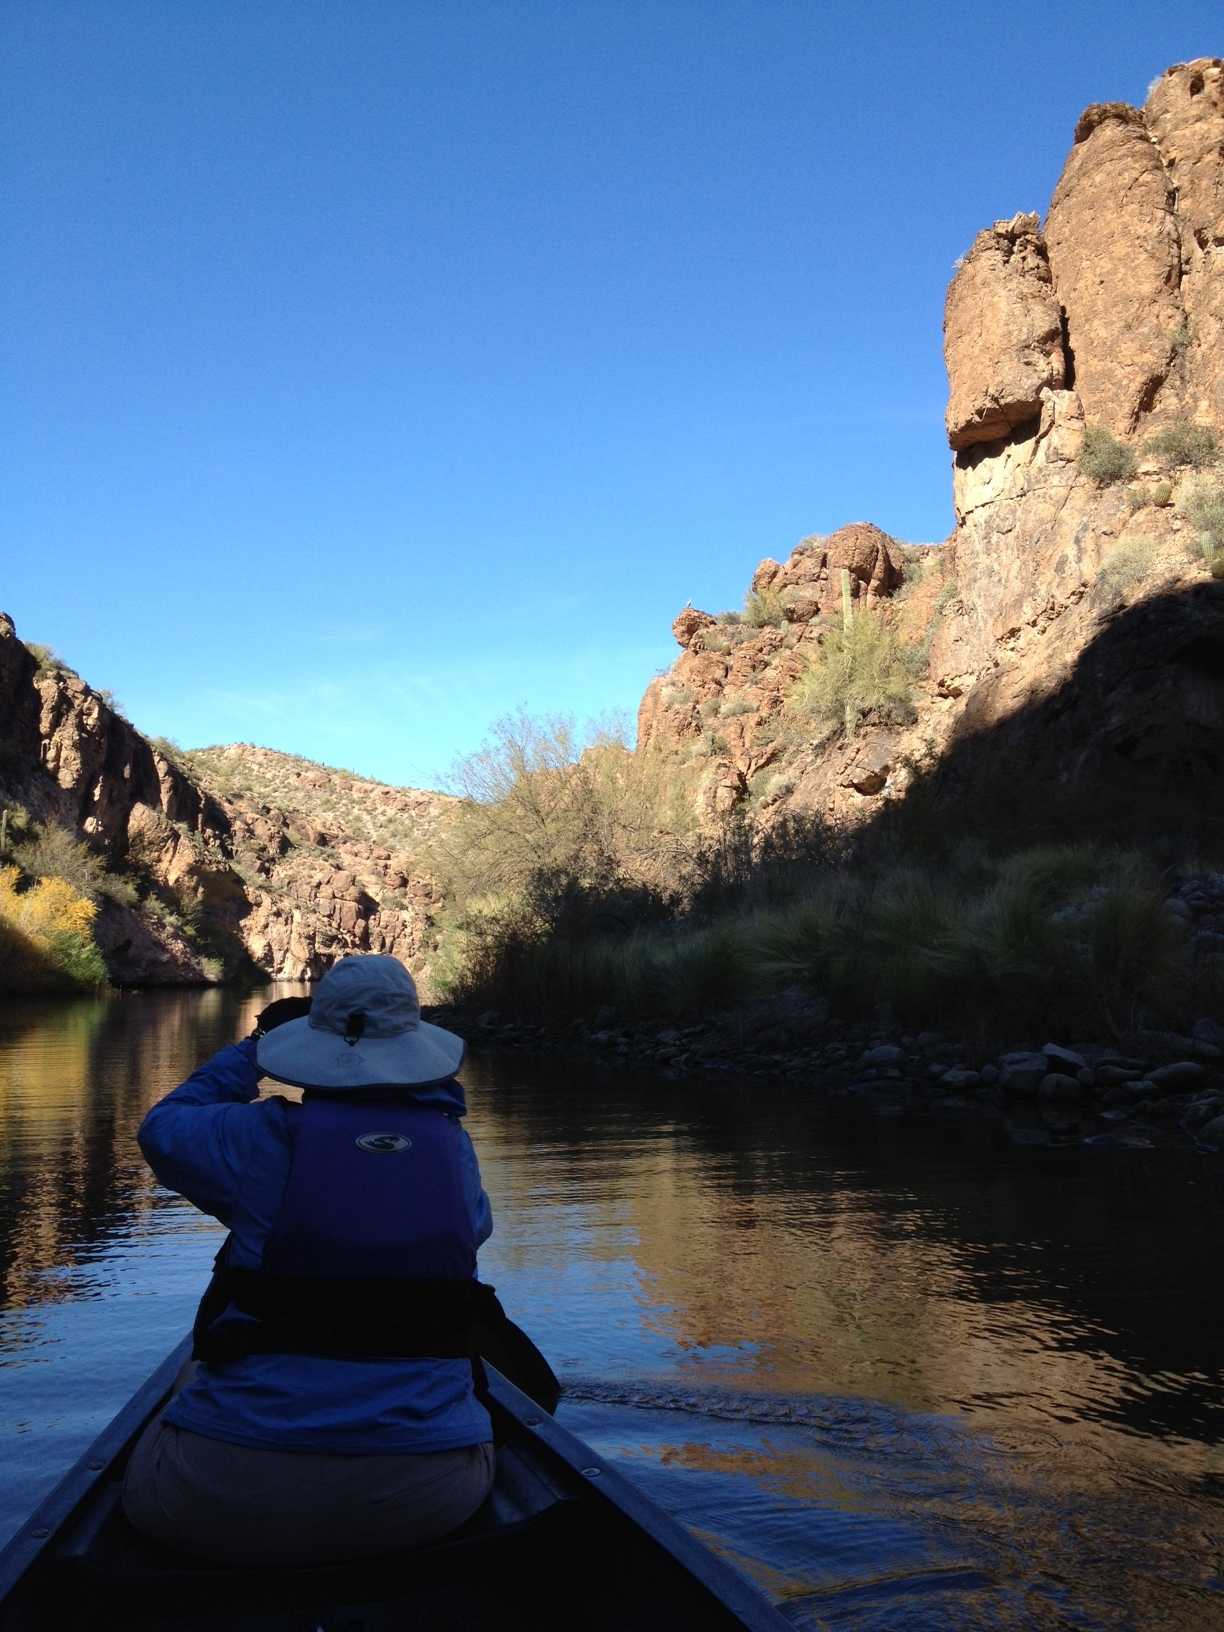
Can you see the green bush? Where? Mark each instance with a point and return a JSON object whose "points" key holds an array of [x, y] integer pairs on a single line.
{"points": [[1054, 939], [1104, 459], [1127, 565], [1161, 494], [1184, 443], [763, 607], [858, 671]]}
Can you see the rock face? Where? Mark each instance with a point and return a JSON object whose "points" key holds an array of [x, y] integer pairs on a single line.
{"points": [[1115, 254], [226, 878], [1002, 334], [1185, 115]]}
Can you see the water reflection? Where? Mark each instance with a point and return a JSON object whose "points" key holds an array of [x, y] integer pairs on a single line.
{"points": [[906, 1376]]}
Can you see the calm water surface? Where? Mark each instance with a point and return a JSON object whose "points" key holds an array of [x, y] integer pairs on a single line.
{"points": [[905, 1377]]}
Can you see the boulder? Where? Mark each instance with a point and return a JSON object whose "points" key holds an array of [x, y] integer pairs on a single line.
{"points": [[688, 624], [1056, 1088], [863, 550], [1003, 339], [1022, 1072]]}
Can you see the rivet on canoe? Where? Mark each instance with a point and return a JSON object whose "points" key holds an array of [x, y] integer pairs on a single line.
{"points": [[96, 1467], [532, 1422], [590, 1473], [40, 1535]]}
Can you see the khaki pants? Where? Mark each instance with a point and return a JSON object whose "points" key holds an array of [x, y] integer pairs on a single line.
{"points": [[242, 1505]]}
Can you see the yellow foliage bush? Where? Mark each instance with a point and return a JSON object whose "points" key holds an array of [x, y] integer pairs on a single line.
{"points": [[46, 934]]}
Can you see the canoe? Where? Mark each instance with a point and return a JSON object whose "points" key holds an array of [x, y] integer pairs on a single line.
{"points": [[563, 1541]]}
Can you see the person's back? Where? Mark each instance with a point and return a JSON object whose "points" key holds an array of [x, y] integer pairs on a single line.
{"points": [[332, 1411]]}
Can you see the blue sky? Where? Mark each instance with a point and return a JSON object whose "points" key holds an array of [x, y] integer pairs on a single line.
{"points": [[382, 367]]}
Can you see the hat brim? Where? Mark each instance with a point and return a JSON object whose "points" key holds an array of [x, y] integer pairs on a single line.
{"points": [[305, 1056]]}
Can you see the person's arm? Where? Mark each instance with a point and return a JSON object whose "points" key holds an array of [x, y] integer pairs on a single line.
{"points": [[195, 1139], [474, 1192]]}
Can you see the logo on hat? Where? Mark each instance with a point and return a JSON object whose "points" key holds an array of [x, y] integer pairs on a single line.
{"points": [[384, 1144]]}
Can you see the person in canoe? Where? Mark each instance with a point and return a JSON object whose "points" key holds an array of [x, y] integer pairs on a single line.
{"points": [[333, 1408]]}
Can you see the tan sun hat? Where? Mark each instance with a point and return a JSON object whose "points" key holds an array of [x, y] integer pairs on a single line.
{"points": [[364, 1030]]}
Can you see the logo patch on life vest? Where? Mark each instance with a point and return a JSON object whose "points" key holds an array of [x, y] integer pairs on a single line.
{"points": [[384, 1144]]}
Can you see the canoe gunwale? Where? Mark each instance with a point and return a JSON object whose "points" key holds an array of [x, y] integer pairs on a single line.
{"points": [[592, 1479], [41, 1530]]}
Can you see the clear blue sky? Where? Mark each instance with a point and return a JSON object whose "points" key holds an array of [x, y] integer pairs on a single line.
{"points": [[380, 367]]}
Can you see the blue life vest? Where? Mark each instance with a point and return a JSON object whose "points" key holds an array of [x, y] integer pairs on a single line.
{"points": [[372, 1250]]}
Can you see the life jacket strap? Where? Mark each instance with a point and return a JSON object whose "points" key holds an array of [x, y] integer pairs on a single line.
{"points": [[351, 1319]]}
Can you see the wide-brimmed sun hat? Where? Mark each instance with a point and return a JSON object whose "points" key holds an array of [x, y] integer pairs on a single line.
{"points": [[364, 1030]]}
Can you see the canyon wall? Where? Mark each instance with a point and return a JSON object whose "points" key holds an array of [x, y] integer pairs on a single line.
{"points": [[238, 859]]}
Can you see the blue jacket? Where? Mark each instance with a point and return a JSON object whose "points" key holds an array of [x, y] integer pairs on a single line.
{"points": [[212, 1138]]}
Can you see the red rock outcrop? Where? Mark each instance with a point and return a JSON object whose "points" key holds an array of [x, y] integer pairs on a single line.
{"points": [[1114, 318], [1002, 333], [1115, 256]]}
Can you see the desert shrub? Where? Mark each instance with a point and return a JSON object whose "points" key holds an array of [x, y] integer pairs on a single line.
{"points": [[777, 786], [213, 970], [542, 799], [55, 852], [1205, 512], [1185, 443], [47, 658], [857, 671], [762, 607], [730, 617], [1161, 494], [1104, 459], [16, 825], [1180, 338], [675, 697], [738, 705], [168, 749], [1128, 564], [46, 934]]}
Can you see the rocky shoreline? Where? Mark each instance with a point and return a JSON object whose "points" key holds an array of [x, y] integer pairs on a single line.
{"points": [[1165, 1089]]}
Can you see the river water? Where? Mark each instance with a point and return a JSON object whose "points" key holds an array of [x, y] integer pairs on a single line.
{"points": [[904, 1376]]}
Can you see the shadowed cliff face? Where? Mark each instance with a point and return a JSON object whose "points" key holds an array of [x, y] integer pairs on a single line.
{"points": [[1110, 317], [281, 887]]}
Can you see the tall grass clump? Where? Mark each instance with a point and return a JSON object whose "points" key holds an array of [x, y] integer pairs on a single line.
{"points": [[1104, 459], [1185, 443], [859, 670], [1064, 940], [1127, 565]]}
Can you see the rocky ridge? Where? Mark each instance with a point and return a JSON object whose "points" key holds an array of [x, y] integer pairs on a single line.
{"points": [[229, 878], [1110, 316]]}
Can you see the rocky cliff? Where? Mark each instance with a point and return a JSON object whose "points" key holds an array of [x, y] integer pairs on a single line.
{"points": [[1108, 318], [235, 858]]}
